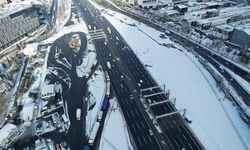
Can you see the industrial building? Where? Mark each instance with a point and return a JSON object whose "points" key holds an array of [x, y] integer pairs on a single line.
{"points": [[48, 92], [241, 33], [16, 21], [227, 15]]}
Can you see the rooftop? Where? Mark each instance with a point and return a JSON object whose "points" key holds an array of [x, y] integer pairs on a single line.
{"points": [[8, 9], [5, 131], [48, 90]]}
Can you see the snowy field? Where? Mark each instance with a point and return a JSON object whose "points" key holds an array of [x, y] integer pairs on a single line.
{"points": [[62, 30], [88, 60], [97, 88], [185, 81], [119, 139]]}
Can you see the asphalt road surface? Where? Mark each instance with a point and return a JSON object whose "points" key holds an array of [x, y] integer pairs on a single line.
{"points": [[128, 76], [75, 95], [216, 59]]}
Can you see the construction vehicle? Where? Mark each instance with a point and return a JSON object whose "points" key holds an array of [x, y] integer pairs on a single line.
{"points": [[73, 43]]}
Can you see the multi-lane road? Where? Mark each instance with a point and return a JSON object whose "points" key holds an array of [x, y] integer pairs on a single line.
{"points": [[128, 77], [213, 58]]}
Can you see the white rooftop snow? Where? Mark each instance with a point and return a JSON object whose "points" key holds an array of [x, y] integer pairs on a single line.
{"points": [[48, 90], [6, 130], [30, 49]]}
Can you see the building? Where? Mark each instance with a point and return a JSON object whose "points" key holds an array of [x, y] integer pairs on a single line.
{"points": [[236, 32], [48, 92], [241, 35], [3, 2], [225, 16], [16, 21], [158, 3], [7, 132]]}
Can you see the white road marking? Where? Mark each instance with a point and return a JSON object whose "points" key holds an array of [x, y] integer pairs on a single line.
{"points": [[144, 140], [143, 124], [136, 112], [149, 138], [132, 113], [139, 140], [138, 126]]}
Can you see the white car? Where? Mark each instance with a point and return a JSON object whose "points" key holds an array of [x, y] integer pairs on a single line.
{"points": [[78, 114]]}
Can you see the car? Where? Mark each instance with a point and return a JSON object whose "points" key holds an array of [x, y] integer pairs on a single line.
{"points": [[139, 84], [78, 114], [150, 132]]}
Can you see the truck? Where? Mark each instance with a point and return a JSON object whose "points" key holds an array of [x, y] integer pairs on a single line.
{"points": [[78, 114], [86, 147], [99, 118], [107, 76], [94, 133], [108, 89], [65, 119], [105, 103], [108, 65]]}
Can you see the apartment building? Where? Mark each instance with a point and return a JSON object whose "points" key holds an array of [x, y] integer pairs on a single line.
{"points": [[16, 22]]}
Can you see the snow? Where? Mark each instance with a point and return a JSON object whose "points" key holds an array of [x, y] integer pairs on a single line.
{"points": [[6, 130], [27, 111], [62, 14], [232, 113], [186, 82], [30, 49], [244, 83], [48, 91], [96, 85], [115, 122], [62, 30], [88, 60]]}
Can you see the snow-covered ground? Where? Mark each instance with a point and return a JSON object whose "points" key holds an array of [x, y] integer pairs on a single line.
{"points": [[97, 89], [62, 14], [28, 110], [118, 140], [230, 109], [186, 82], [62, 30], [88, 60], [243, 82]]}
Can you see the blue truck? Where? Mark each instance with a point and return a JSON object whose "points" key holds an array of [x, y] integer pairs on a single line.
{"points": [[105, 103], [86, 147]]}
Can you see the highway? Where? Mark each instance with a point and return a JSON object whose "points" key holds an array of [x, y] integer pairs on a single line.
{"points": [[235, 68], [215, 59], [128, 76], [239, 89]]}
